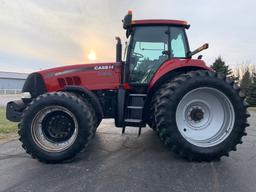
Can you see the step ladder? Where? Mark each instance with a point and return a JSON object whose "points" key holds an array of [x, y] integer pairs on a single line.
{"points": [[134, 111]]}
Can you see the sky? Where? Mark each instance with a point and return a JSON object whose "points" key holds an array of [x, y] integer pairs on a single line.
{"points": [[39, 34]]}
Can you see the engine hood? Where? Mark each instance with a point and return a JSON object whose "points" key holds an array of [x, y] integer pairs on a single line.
{"points": [[96, 76], [73, 69]]}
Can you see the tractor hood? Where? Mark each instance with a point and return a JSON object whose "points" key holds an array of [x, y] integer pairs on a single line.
{"points": [[91, 76], [72, 69]]}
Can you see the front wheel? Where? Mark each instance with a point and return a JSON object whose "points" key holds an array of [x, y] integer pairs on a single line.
{"points": [[201, 115], [55, 127]]}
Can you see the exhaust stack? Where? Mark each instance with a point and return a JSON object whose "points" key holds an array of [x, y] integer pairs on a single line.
{"points": [[118, 50]]}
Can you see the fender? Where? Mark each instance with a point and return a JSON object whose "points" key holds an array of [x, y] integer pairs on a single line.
{"points": [[176, 65], [93, 98]]}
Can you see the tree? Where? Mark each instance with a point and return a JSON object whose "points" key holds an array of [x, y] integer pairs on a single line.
{"points": [[246, 82], [251, 97], [220, 67]]}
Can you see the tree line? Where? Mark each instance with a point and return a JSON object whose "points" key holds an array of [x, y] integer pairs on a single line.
{"points": [[244, 75]]}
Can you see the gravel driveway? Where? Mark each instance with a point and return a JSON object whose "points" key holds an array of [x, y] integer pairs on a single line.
{"points": [[119, 163]]}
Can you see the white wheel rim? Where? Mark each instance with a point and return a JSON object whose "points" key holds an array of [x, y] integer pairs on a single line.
{"points": [[40, 138], [205, 117]]}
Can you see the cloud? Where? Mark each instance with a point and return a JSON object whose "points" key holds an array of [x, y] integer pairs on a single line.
{"points": [[41, 34]]}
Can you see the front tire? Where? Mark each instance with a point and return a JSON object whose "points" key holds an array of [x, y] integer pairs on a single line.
{"points": [[201, 115], [55, 127]]}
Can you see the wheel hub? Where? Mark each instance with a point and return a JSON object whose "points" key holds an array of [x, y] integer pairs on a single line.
{"points": [[197, 114], [58, 126]]}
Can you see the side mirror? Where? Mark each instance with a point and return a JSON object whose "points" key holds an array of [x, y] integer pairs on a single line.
{"points": [[203, 47]]}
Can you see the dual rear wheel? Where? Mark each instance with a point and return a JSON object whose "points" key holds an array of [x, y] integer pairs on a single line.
{"points": [[200, 115]]}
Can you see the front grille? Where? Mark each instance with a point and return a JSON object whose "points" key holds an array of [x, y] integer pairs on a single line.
{"points": [[75, 80]]}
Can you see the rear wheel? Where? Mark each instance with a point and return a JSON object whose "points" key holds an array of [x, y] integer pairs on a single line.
{"points": [[55, 127], [201, 115]]}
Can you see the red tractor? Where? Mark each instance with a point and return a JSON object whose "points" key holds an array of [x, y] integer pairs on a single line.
{"points": [[199, 114]]}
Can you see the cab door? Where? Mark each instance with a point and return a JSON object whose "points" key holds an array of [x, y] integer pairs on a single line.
{"points": [[151, 47], [149, 50]]}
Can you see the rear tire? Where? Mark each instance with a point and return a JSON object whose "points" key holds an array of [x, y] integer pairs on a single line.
{"points": [[188, 115], [155, 98], [55, 127]]}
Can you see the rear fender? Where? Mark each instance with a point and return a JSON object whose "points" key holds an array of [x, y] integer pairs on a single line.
{"points": [[175, 65]]}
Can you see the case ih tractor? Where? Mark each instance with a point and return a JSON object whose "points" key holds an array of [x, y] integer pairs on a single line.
{"points": [[199, 114]]}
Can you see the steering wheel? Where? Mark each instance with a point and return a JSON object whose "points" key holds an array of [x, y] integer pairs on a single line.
{"points": [[139, 55]]}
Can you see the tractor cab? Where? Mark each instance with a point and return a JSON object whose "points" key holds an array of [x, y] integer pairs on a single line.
{"points": [[151, 43]]}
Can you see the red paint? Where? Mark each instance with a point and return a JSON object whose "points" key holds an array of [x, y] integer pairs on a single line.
{"points": [[93, 78], [90, 77], [159, 22], [173, 64]]}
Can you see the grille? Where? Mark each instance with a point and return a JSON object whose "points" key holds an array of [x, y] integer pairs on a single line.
{"points": [[75, 80]]}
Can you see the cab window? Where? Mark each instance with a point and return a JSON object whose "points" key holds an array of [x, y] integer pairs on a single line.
{"points": [[178, 45], [147, 49]]}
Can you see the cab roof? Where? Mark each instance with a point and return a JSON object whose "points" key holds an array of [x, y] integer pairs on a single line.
{"points": [[161, 22]]}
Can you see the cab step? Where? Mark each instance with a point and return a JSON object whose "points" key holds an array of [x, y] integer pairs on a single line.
{"points": [[133, 123], [134, 111], [132, 120], [134, 107], [137, 95]]}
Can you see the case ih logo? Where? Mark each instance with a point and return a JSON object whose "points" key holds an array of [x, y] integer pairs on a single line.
{"points": [[105, 67]]}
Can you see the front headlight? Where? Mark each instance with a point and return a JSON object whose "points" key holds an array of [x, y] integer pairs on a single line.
{"points": [[26, 95]]}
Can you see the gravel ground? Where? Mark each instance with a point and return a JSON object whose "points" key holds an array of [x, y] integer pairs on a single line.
{"points": [[119, 163]]}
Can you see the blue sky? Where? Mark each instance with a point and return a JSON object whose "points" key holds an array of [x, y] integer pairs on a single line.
{"points": [[39, 34]]}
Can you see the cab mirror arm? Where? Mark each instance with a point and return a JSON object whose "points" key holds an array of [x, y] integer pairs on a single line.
{"points": [[203, 47]]}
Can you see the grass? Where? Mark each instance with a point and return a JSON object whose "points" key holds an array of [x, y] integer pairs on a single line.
{"points": [[5, 125]]}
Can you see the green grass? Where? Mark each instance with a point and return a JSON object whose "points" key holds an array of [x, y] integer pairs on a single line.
{"points": [[5, 125]]}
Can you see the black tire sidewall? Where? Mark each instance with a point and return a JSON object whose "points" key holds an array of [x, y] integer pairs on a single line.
{"points": [[222, 86], [69, 102]]}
